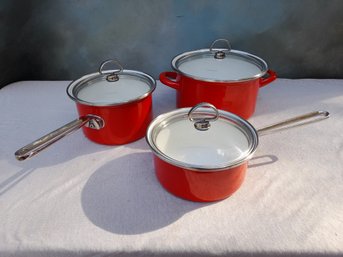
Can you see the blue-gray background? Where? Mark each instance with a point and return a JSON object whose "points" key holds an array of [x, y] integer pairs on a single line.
{"points": [[65, 39]]}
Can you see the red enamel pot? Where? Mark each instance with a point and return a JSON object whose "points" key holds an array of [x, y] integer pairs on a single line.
{"points": [[229, 79], [114, 107], [201, 154]]}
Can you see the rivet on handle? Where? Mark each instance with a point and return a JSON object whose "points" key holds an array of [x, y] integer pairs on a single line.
{"points": [[202, 123], [95, 122], [112, 75]]}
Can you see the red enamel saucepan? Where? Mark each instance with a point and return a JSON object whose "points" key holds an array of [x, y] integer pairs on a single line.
{"points": [[227, 78], [102, 99], [201, 153]]}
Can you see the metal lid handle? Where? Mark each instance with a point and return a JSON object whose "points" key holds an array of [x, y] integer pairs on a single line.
{"points": [[220, 54], [202, 123], [113, 75]]}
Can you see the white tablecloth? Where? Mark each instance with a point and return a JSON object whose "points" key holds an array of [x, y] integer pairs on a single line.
{"points": [[78, 198]]}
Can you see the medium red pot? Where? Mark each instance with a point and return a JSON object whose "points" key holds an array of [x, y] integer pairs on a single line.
{"points": [[114, 106], [122, 99], [227, 78], [198, 160], [201, 154]]}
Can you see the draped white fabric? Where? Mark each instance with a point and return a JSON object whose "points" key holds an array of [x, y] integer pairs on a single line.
{"points": [[78, 198]]}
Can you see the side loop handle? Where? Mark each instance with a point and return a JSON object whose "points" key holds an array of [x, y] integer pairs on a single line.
{"points": [[112, 75], [270, 78], [220, 54], [203, 123], [170, 79]]}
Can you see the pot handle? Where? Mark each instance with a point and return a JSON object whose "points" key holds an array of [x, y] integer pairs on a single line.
{"points": [[271, 77], [295, 122], [203, 123], [170, 78], [112, 75], [38, 145]]}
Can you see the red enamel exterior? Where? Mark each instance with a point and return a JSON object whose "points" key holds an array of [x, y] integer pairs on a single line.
{"points": [[199, 186], [124, 123], [236, 97]]}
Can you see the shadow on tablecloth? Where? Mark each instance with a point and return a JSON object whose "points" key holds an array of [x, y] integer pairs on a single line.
{"points": [[125, 197]]}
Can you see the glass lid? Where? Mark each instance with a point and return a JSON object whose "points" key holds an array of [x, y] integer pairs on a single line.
{"points": [[202, 138], [111, 87], [220, 64]]}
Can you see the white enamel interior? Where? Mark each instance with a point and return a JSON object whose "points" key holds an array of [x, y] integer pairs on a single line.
{"points": [[121, 91], [223, 144], [229, 68]]}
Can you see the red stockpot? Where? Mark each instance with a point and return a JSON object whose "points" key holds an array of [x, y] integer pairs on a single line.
{"points": [[229, 79], [201, 154], [114, 106]]}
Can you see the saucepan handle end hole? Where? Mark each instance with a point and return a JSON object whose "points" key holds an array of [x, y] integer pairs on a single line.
{"points": [[326, 114]]}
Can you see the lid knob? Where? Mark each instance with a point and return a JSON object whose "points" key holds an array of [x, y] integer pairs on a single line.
{"points": [[202, 123], [221, 53], [112, 75]]}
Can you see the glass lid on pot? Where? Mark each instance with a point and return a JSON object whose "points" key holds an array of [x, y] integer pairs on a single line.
{"points": [[202, 138], [111, 87], [220, 64]]}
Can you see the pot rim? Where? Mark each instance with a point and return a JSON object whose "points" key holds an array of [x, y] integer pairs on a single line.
{"points": [[165, 119], [72, 87], [259, 62]]}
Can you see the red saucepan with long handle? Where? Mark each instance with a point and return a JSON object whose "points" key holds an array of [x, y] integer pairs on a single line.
{"points": [[114, 106], [227, 78], [201, 153]]}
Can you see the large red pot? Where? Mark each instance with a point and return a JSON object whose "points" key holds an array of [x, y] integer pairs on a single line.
{"points": [[114, 106], [229, 79], [208, 161]]}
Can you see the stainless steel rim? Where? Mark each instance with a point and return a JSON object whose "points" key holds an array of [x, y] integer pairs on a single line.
{"points": [[179, 59], [77, 84], [164, 119]]}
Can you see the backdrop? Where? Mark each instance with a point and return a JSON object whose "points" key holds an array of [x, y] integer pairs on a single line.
{"points": [[65, 39]]}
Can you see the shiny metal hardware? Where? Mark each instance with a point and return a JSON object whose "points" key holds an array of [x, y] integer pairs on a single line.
{"points": [[95, 122], [220, 54], [112, 75], [38, 145], [295, 122], [202, 123]]}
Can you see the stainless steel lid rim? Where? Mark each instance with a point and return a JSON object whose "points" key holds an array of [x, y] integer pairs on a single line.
{"points": [[163, 120], [76, 85], [260, 63]]}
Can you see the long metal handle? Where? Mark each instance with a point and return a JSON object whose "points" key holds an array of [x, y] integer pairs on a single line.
{"points": [[47, 140], [296, 121]]}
